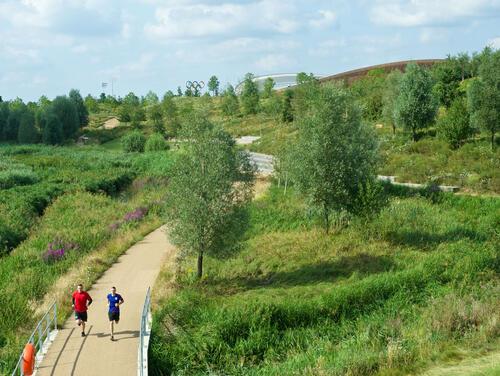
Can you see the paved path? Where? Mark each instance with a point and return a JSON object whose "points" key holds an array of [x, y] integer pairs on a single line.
{"points": [[133, 273]]}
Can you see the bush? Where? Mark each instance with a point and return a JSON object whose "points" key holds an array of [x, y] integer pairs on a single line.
{"points": [[11, 178], [134, 142], [156, 142], [455, 126]]}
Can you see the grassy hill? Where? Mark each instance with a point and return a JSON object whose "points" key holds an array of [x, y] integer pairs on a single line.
{"points": [[415, 286]]}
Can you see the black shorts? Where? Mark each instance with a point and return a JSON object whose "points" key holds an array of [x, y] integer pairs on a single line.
{"points": [[114, 316], [81, 316]]}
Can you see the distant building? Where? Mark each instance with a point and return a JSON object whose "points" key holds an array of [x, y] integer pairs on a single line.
{"points": [[284, 80]]}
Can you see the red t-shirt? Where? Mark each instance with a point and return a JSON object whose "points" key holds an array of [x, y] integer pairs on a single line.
{"points": [[80, 301]]}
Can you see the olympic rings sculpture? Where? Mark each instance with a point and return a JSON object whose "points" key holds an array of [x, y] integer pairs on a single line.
{"points": [[195, 85]]}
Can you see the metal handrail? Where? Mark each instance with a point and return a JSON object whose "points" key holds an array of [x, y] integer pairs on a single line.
{"points": [[41, 337], [145, 332]]}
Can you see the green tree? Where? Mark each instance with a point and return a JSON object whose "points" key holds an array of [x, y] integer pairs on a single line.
{"points": [[133, 142], [168, 94], [27, 133], [249, 95], [179, 91], [268, 87], [389, 96], [16, 112], [52, 133], [213, 85], [229, 104], [369, 91], [83, 113], [91, 103], [156, 142], [455, 127], [151, 98], [156, 116], [65, 109], [335, 155], [171, 115], [416, 106], [484, 95], [4, 116], [304, 78], [287, 113], [131, 99], [210, 185]]}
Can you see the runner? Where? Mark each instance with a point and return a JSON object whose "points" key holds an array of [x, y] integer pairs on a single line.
{"points": [[81, 302], [114, 300]]}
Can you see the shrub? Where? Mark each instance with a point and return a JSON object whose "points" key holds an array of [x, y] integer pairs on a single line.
{"points": [[11, 178], [455, 126], [134, 142], [156, 142], [57, 250]]}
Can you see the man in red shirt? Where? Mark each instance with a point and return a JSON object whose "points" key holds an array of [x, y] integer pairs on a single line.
{"points": [[81, 302]]}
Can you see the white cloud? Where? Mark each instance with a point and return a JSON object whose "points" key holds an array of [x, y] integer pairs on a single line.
{"points": [[494, 43], [433, 35], [273, 62], [327, 47], [408, 13], [194, 20], [326, 18]]}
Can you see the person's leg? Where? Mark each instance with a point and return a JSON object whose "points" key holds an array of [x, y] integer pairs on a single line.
{"points": [[111, 327], [83, 327]]}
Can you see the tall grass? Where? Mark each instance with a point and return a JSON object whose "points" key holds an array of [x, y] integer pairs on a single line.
{"points": [[390, 295]]}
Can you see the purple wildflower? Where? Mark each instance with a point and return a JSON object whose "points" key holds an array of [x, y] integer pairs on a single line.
{"points": [[135, 215], [57, 249]]}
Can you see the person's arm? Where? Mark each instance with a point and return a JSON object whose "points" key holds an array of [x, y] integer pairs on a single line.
{"points": [[89, 300], [121, 301], [72, 301]]}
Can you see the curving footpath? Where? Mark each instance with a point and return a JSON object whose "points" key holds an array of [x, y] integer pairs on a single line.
{"points": [[96, 354]]}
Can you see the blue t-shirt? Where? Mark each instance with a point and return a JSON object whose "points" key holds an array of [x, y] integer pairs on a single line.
{"points": [[112, 300]]}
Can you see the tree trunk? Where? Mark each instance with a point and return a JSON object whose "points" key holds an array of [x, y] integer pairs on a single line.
{"points": [[493, 140], [200, 264], [414, 135], [393, 129]]}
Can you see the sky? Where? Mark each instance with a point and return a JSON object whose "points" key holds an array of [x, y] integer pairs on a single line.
{"points": [[48, 47]]}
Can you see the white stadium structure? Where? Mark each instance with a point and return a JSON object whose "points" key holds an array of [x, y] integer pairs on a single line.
{"points": [[281, 80]]}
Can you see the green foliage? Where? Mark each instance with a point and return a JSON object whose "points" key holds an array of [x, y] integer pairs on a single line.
{"points": [[156, 142], [369, 90], [484, 94], [229, 104], [389, 96], [91, 103], [249, 95], [11, 128], [455, 126], [27, 133], [52, 132], [211, 183], [415, 106], [179, 91], [304, 78], [386, 296], [133, 142], [171, 113], [335, 153], [268, 87], [156, 116], [66, 111], [213, 85], [81, 109], [151, 98], [4, 116], [287, 113]]}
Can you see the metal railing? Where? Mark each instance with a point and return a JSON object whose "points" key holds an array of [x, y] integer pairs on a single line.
{"points": [[145, 333], [41, 338]]}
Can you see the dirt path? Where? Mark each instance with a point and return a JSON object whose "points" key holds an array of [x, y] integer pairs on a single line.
{"points": [[486, 365], [133, 273]]}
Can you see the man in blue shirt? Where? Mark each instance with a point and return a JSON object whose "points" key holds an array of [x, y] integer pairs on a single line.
{"points": [[114, 300]]}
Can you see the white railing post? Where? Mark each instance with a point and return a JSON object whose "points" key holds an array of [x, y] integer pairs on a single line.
{"points": [[144, 335], [45, 336]]}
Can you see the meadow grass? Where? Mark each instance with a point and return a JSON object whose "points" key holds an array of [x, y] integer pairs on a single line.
{"points": [[387, 296], [91, 204]]}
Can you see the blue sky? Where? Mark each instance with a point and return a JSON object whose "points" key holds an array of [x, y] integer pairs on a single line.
{"points": [[50, 46]]}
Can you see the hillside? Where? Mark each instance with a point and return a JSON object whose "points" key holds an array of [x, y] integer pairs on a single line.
{"points": [[416, 286]]}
